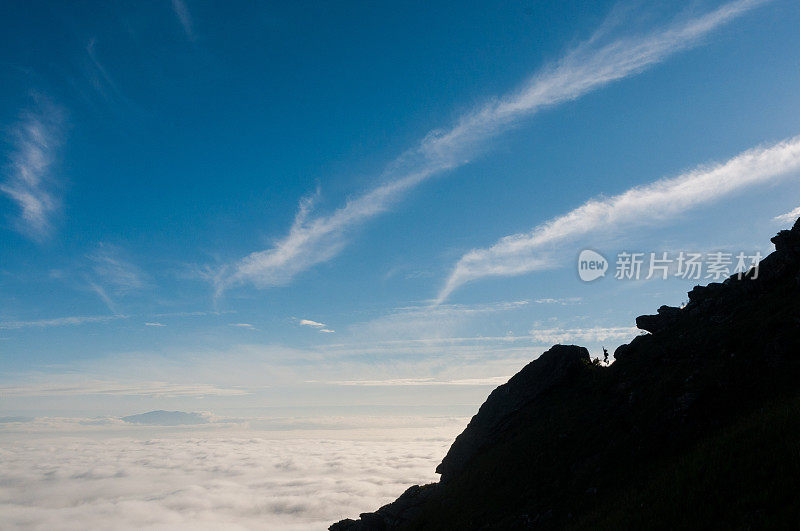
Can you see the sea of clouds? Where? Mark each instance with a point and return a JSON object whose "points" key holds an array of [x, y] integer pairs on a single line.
{"points": [[111, 476]]}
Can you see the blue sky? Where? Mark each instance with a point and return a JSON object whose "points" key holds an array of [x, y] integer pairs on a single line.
{"points": [[285, 206]]}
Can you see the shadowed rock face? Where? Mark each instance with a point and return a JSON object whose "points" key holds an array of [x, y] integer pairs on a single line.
{"points": [[549, 370], [701, 414]]}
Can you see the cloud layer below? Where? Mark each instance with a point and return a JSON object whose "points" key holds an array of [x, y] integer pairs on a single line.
{"points": [[211, 480]]}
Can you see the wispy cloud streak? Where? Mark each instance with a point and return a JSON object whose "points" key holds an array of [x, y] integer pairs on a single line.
{"points": [[664, 199], [596, 334], [59, 321], [246, 326], [28, 182], [100, 387], [321, 327], [313, 239], [789, 217], [182, 12], [308, 322], [111, 274], [415, 382]]}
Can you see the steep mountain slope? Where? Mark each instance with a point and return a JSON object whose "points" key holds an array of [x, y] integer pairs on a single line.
{"points": [[696, 424]]}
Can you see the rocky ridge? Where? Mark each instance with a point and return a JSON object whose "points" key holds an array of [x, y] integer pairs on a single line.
{"points": [[563, 441]]}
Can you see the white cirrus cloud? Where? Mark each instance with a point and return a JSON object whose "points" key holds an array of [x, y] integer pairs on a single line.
{"points": [[664, 199], [562, 301], [100, 79], [193, 314], [314, 239], [589, 335], [789, 217], [321, 327], [65, 385], [59, 321], [308, 322], [246, 326], [430, 322], [184, 17], [29, 181], [416, 382], [109, 264], [112, 275]]}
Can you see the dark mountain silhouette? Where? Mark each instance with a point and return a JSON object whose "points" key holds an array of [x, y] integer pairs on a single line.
{"points": [[695, 425]]}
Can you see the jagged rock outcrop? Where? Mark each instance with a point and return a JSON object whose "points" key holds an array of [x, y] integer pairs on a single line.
{"points": [[550, 369], [717, 299], [404, 509], [655, 323], [696, 424]]}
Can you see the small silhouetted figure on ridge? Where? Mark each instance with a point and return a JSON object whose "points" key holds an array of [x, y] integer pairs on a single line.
{"points": [[605, 355]]}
